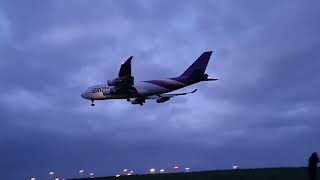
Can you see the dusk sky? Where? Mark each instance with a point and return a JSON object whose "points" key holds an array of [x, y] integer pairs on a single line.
{"points": [[264, 111]]}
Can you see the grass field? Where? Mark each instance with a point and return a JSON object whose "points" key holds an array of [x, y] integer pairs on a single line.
{"points": [[245, 174]]}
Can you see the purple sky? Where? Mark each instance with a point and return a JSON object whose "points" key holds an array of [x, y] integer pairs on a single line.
{"points": [[263, 112]]}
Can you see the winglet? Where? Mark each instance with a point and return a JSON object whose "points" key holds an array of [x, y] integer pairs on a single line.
{"points": [[194, 91]]}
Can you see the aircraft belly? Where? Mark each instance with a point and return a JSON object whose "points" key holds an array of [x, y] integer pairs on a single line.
{"points": [[143, 88], [101, 96], [147, 89]]}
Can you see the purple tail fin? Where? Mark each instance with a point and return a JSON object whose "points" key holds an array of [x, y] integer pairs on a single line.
{"points": [[199, 65]]}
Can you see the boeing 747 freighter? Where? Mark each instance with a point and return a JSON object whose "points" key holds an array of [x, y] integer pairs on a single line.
{"points": [[124, 86]]}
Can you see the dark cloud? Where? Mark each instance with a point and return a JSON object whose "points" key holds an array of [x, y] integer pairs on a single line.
{"points": [[261, 113]]}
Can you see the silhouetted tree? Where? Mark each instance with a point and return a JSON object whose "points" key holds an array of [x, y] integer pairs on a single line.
{"points": [[313, 161]]}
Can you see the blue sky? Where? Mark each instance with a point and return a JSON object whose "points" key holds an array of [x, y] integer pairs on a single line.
{"points": [[263, 112]]}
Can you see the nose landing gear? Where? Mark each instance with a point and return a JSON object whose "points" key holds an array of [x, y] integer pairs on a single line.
{"points": [[92, 104]]}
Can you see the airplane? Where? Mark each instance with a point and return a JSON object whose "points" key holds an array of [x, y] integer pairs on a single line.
{"points": [[124, 86]]}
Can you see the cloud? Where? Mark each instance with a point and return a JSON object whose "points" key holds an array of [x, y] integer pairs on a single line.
{"points": [[26, 100], [265, 55], [5, 29]]}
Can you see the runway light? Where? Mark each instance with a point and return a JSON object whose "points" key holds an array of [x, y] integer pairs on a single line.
{"points": [[152, 170], [176, 167], [131, 172], [91, 174], [51, 173], [81, 171], [187, 169], [162, 170], [56, 178], [235, 167], [125, 170], [118, 175], [33, 178]]}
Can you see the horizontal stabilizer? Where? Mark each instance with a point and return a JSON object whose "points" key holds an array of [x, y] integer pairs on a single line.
{"points": [[211, 79]]}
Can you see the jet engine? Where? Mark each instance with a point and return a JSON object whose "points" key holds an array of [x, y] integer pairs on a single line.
{"points": [[114, 82], [205, 76], [110, 90], [118, 81], [137, 101], [162, 99]]}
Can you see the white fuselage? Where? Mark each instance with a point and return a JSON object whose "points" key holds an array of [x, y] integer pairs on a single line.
{"points": [[144, 89]]}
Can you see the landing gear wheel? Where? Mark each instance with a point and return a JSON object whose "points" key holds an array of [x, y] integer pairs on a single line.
{"points": [[92, 104]]}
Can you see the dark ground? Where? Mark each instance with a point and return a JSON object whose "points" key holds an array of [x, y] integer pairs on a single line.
{"points": [[245, 174]]}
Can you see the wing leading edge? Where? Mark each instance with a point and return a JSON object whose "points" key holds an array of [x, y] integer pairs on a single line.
{"points": [[178, 94], [124, 83], [166, 97]]}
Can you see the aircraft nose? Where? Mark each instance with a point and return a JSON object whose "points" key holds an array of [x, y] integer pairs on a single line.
{"points": [[84, 95]]}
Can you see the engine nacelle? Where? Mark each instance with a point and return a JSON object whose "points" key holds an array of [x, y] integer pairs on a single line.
{"points": [[162, 99], [114, 82], [137, 101], [119, 81], [110, 90], [106, 92]]}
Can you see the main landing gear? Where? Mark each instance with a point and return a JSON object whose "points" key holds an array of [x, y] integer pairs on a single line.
{"points": [[92, 104]]}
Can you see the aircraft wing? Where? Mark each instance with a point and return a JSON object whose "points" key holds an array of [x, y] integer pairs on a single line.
{"points": [[125, 69], [123, 84], [178, 94], [165, 97]]}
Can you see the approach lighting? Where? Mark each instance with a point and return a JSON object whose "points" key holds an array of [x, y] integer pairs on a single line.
{"points": [[152, 170]]}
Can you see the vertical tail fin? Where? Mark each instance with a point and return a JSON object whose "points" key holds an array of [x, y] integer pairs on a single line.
{"points": [[199, 65]]}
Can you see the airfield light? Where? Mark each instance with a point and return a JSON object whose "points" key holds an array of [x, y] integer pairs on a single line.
{"points": [[235, 167], [33, 178], [176, 167], [125, 170], [118, 175], [152, 170], [51, 173], [162, 170], [91, 174], [131, 172], [81, 172], [56, 178], [187, 169]]}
